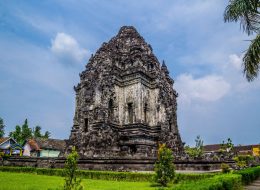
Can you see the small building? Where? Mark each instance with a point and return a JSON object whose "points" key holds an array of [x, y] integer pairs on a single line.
{"points": [[9, 146], [256, 150], [253, 150], [40, 147], [212, 148]]}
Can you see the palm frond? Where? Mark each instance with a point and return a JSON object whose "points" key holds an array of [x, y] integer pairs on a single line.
{"points": [[251, 60], [245, 11]]}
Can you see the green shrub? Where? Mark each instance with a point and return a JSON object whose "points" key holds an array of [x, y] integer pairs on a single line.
{"points": [[18, 169], [197, 151], [164, 167], [249, 174], [243, 161], [50, 172], [87, 174], [104, 175], [185, 181], [218, 182], [191, 177], [2, 154], [71, 166], [5, 156], [225, 168]]}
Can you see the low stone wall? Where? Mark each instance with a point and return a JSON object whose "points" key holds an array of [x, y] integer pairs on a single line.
{"points": [[111, 164], [200, 165]]}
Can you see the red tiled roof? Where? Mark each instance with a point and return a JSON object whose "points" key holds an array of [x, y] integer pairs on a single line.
{"points": [[40, 143], [212, 147], [33, 144], [54, 144], [3, 139]]}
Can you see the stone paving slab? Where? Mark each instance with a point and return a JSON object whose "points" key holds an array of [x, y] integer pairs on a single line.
{"points": [[253, 186]]}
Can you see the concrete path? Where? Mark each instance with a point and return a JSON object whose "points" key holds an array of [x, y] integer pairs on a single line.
{"points": [[253, 186]]}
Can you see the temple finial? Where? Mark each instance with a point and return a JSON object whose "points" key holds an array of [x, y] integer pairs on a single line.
{"points": [[164, 67]]}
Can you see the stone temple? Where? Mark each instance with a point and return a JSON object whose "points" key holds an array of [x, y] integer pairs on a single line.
{"points": [[125, 102]]}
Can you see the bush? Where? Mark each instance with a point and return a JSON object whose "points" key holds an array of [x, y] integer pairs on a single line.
{"points": [[249, 174], [105, 175], [87, 174], [225, 168], [4, 156], [179, 178], [243, 161], [164, 167], [71, 166], [218, 182], [197, 151]]}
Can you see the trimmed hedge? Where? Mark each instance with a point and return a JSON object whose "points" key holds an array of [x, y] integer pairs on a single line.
{"points": [[249, 174], [104, 175], [87, 174], [185, 181], [218, 182], [192, 177]]}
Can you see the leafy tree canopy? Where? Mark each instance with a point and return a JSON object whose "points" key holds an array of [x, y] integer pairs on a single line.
{"points": [[21, 134], [197, 151], [227, 146], [2, 127], [164, 167], [247, 12], [71, 166]]}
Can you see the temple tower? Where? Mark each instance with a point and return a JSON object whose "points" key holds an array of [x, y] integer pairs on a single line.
{"points": [[125, 102]]}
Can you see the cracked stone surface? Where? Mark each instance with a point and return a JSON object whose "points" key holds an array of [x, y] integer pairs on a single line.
{"points": [[125, 102]]}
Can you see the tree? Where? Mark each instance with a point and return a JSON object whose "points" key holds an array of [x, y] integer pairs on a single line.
{"points": [[26, 131], [46, 135], [247, 12], [71, 181], [226, 149], [227, 146], [164, 167], [37, 132], [199, 145], [17, 134], [197, 151], [2, 128], [21, 134]]}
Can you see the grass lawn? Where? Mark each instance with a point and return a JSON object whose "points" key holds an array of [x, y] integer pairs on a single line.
{"points": [[23, 181]]}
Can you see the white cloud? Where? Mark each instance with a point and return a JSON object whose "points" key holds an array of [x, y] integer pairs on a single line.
{"points": [[233, 73], [44, 68], [208, 88], [236, 61], [68, 49]]}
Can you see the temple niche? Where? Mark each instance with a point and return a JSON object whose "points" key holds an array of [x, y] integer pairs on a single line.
{"points": [[125, 102]]}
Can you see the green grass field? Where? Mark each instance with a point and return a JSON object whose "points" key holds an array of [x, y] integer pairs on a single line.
{"points": [[23, 181]]}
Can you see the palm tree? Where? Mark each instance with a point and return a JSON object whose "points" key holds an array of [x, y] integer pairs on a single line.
{"points": [[247, 12]]}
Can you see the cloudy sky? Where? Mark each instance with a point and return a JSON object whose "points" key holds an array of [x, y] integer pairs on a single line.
{"points": [[44, 45]]}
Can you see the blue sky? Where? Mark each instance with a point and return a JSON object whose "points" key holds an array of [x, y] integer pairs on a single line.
{"points": [[46, 44]]}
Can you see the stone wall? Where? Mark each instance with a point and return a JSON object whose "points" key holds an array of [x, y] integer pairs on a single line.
{"points": [[111, 164]]}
